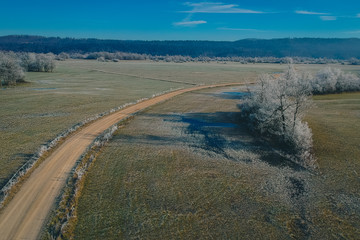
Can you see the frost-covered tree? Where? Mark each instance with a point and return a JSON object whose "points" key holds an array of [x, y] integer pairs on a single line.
{"points": [[62, 56], [32, 62], [333, 80], [354, 61], [10, 70], [275, 109]]}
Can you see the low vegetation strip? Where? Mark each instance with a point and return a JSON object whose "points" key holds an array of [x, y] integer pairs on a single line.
{"points": [[24, 215], [60, 226]]}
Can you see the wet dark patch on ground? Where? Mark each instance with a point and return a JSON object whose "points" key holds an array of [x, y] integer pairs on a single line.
{"points": [[232, 95], [298, 193], [276, 160], [297, 188], [195, 124], [209, 131], [151, 140], [217, 133]]}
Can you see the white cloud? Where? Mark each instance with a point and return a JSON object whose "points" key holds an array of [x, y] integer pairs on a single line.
{"points": [[328, 18], [358, 16], [310, 13], [240, 29], [209, 7], [189, 23]]}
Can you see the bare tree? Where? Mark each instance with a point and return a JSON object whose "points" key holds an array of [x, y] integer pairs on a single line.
{"points": [[276, 107]]}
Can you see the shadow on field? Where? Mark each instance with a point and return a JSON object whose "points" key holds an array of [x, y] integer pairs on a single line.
{"points": [[277, 160], [212, 132], [232, 95], [220, 133], [235, 94]]}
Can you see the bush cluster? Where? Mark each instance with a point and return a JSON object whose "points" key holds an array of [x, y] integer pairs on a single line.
{"points": [[330, 80], [275, 110], [118, 56], [33, 62], [276, 106], [13, 65], [10, 70]]}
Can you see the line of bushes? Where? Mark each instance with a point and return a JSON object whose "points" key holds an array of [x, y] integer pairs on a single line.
{"points": [[275, 107], [13, 65], [118, 56]]}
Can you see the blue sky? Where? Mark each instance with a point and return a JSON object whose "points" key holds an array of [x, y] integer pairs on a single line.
{"points": [[181, 20]]}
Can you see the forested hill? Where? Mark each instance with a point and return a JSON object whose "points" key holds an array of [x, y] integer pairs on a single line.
{"points": [[286, 47]]}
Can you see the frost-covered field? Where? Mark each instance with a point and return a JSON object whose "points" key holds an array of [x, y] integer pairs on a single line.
{"points": [[33, 114], [188, 169], [36, 113]]}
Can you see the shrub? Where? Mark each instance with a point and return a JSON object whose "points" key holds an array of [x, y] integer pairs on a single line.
{"points": [[10, 70], [275, 110], [32, 62], [329, 80]]}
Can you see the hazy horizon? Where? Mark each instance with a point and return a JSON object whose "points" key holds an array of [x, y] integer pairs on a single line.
{"points": [[182, 20], [113, 39]]}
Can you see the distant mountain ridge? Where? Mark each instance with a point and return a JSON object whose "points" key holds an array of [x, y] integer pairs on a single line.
{"points": [[336, 48]]}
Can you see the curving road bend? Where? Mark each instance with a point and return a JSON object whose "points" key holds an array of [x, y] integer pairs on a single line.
{"points": [[24, 216]]}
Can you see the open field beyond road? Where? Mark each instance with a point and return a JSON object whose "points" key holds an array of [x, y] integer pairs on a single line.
{"points": [[35, 113], [25, 214], [189, 169]]}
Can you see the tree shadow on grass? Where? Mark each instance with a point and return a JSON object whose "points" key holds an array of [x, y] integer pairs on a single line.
{"points": [[236, 94], [220, 133]]}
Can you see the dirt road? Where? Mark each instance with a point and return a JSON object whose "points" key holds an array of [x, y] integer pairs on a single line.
{"points": [[24, 216]]}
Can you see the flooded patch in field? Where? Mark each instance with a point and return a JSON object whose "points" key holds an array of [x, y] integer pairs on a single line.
{"points": [[233, 95], [196, 123]]}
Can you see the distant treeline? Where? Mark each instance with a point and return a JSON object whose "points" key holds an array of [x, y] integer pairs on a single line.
{"points": [[118, 56], [278, 48]]}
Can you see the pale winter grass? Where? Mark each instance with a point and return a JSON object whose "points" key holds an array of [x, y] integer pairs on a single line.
{"points": [[5, 190], [36, 113], [335, 123], [157, 178], [184, 171]]}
